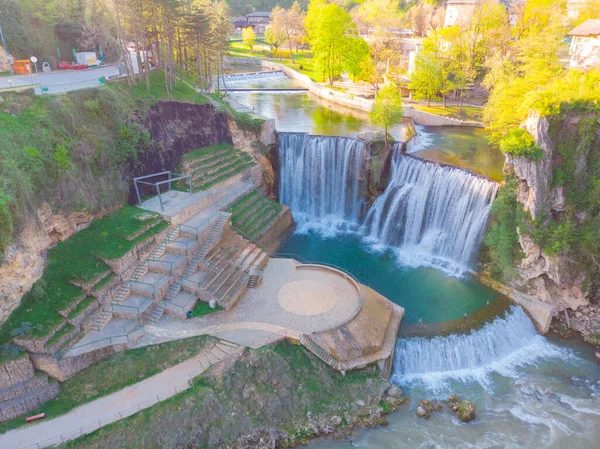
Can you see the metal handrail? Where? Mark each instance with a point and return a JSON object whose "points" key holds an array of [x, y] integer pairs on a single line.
{"points": [[135, 308], [126, 333]]}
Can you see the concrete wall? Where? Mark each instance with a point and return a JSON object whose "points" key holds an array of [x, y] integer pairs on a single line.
{"points": [[364, 104], [274, 234], [63, 369]]}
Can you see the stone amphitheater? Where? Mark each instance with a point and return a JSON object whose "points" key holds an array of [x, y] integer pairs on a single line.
{"points": [[217, 248]]}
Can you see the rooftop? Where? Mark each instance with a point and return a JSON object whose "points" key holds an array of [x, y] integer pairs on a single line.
{"points": [[587, 28], [259, 14]]}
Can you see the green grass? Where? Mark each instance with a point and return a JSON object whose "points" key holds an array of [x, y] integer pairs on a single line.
{"points": [[83, 305], [202, 308], [60, 334], [315, 388], [253, 213], [158, 90], [207, 158], [262, 51], [469, 113], [114, 373], [201, 152], [104, 282], [78, 259]]}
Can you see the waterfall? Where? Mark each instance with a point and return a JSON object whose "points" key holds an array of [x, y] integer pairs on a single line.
{"points": [[499, 346], [235, 79], [435, 215], [320, 180], [419, 141]]}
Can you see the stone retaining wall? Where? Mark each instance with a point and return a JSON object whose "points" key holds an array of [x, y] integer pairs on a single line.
{"points": [[365, 104], [63, 369], [272, 236], [126, 265], [15, 371], [35, 398], [427, 119], [21, 390]]}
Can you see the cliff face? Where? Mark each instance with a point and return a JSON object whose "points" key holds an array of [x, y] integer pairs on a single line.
{"points": [[177, 128], [556, 279]]}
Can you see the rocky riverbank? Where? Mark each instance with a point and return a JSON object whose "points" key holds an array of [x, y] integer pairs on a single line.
{"points": [[279, 396]]}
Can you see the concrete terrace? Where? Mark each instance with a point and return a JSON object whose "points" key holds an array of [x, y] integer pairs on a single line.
{"points": [[292, 299]]}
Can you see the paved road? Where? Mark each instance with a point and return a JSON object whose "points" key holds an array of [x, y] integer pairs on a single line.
{"points": [[128, 401], [59, 77]]}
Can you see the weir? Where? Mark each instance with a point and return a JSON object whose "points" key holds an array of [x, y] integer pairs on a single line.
{"points": [[500, 345], [320, 178], [435, 214]]}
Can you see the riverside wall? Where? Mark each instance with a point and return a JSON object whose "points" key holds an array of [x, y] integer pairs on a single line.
{"points": [[364, 104]]}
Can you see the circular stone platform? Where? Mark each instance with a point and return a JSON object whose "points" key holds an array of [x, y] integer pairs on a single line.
{"points": [[306, 297]]}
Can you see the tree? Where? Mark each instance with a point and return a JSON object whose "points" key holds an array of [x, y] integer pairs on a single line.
{"points": [[249, 37], [387, 109], [331, 39], [358, 52], [289, 23], [274, 39], [425, 81]]}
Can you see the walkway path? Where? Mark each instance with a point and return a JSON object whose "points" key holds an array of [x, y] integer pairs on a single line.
{"points": [[128, 401]]}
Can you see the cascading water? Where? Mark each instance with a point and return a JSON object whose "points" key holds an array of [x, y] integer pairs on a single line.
{"points": [[498, 346], [236, 79], [320, 180], [419, 141], [434, 214]]}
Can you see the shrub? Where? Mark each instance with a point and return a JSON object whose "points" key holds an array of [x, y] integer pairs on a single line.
{"points": [[518, 142], [502, 240], [6, 222]]}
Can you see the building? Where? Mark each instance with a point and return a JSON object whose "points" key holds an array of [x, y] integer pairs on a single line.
{"points": [[239, 23], [259, 21], [459, 12], [585, 44]]}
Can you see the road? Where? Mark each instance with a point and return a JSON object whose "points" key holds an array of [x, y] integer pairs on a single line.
{"points": [[58, 77]]}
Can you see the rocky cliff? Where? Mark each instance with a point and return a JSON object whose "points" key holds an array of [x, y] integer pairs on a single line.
{"points": [[174, 129], [177, 128], [558, 277]]}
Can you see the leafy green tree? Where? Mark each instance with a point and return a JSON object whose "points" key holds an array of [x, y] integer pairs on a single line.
{"points": [[425, 81], [274, 39], [358, 52], [502, 240], [387, 109], [331, 39], [249, 37]]}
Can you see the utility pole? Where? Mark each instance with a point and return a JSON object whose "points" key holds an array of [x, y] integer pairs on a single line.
{"points": [[5, 49]]}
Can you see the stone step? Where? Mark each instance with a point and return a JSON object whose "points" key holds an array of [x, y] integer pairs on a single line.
{"points": [[181, 245]]}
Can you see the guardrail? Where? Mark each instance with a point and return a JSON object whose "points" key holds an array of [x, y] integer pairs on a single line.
{"points": [[125, 337]]}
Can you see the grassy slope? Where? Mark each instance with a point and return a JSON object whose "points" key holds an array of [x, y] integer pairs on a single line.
{"points": [[251, 223], [101, 131], [79, 259], [274, 386], [114, 373]]}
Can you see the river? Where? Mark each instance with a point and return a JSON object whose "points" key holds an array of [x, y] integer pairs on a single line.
{"points": [[530, 391]]}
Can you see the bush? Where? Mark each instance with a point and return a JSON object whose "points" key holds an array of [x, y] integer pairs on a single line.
{"points": [[502, 240], [518, 142], [6, 222]]}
